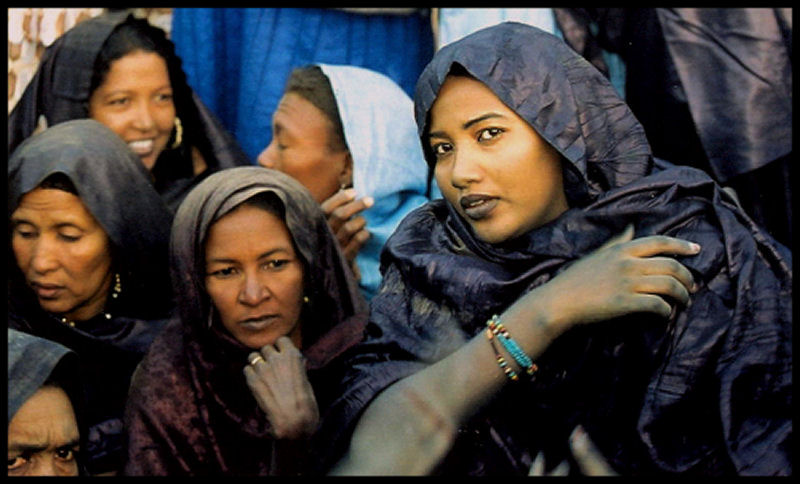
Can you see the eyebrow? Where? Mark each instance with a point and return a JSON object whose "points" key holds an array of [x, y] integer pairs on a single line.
{"points": [[20, 221], [467, 124], [37, 447], [225, 260]]}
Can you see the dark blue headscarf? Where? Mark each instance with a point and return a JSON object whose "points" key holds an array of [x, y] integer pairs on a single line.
{"points": [[115, 188], [708, 391]]}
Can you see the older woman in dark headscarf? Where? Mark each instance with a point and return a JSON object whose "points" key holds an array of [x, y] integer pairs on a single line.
{"points": [[706, 392], [88, 262], [123, 72], [258, 275], [45, 405]]}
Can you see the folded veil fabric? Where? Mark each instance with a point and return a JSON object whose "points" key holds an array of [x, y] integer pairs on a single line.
{"points": [[378, 122], [706, 392]]}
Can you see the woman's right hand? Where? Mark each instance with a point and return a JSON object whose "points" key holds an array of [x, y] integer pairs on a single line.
{"points": [[342, 210], [276, 375], [623, 276]]}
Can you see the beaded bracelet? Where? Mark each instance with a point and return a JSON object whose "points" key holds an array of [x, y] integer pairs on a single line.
{"points": [[524, 361], [511, 374]]}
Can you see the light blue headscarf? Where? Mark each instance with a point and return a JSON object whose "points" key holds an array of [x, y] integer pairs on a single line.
{"points": [[388, 164]]}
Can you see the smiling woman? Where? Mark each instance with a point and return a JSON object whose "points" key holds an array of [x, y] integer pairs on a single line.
{"points": [[88, 261], [135, 101], [123, 72], [267, 305]]}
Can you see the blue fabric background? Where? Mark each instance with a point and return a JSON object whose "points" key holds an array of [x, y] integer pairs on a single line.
{"points": [[238, 59]]}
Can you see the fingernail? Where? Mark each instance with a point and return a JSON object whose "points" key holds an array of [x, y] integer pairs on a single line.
{"points": [[695, 247], [369, 201], [537, 469], [350, 192], [561, 469], [578, 437], [695, 287]]}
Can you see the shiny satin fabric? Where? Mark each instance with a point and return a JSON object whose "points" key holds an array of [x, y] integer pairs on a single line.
{"points": [[707, 392]]}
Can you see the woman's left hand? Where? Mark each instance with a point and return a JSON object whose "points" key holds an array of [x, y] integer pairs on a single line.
{"points": [[280, 385]]}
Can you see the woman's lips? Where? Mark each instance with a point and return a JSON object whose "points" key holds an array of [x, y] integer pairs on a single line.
{"points": [[142, 147], [258, 323], [477, 207], [46, 291]]}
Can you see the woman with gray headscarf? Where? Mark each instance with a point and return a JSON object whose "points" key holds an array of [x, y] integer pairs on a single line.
{"points": [[258, 275], [88, 263]]}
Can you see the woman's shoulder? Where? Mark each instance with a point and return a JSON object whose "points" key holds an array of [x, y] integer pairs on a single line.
{"points": [[423, 220], [163, 366]]}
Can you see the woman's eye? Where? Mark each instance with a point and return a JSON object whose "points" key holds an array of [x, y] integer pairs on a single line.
{"points": [[65, 453], [16, 462], [69, 237], [224, 272], [165, 97], [488, 134], [276, 263], [121, 101], [441, 149], [25, 233]]}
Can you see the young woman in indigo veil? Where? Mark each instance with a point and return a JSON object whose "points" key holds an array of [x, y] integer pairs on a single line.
{"points": [[539, 162], [88, 263], [123, 72], [258, 275]]}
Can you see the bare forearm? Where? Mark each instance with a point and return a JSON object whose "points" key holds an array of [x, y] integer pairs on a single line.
{"points": [[409, 427]]}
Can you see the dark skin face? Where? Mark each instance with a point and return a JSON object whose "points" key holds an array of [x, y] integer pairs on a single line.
{"points": [[135, 101], [491, 165], [63, 252], [43, 436], [301, 147], [254, 277]]}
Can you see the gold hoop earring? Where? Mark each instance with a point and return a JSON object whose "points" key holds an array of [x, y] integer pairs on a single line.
{"points": [[178, 133]]}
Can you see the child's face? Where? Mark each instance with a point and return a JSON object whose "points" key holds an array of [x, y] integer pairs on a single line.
{"points": [[498, 173]]}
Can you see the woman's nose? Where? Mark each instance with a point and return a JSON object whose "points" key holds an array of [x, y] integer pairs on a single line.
{"points": [[44, 257], [466, 168], [44, 466], [253, 291], [143, 117], [267, 157]]}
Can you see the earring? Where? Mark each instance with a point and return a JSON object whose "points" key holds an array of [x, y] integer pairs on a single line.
{"points": [[178, 133], [305, 299], [117, 286]]}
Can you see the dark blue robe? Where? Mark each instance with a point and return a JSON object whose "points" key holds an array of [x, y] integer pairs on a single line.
{"points": [[706, 392]]}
